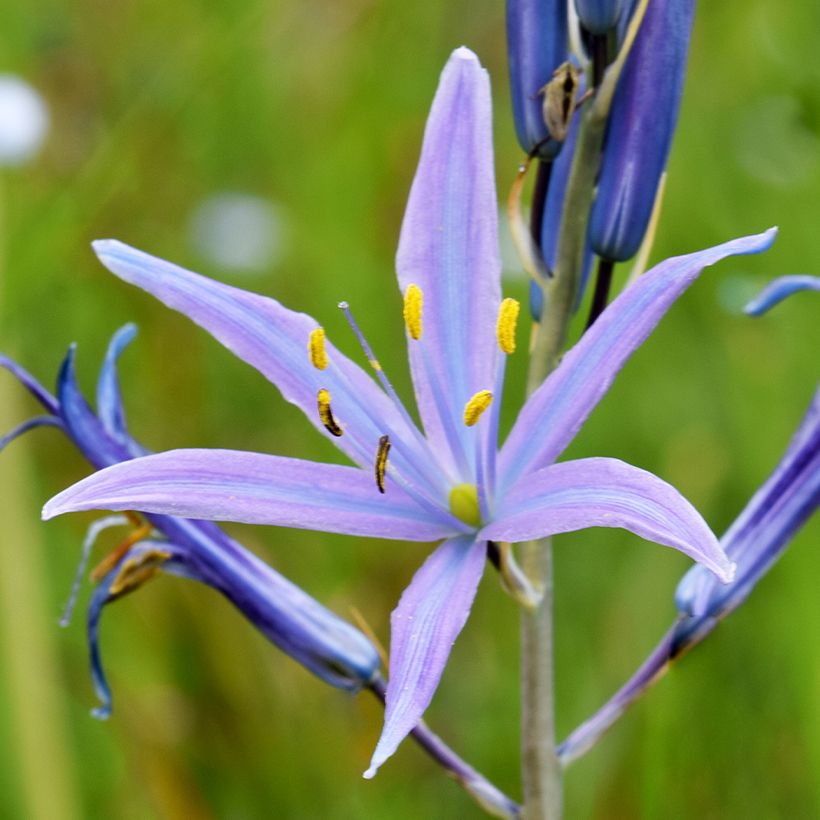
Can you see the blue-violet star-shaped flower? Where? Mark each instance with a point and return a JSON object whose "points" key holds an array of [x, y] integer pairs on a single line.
{"points": [[445, 483]]}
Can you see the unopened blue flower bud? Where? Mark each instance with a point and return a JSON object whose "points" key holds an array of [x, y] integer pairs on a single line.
{"points": [[641, 125], [537, 46], [598, 16]]}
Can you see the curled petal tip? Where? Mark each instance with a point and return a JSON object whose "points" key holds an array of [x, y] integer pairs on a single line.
{"points": [[49, 510], [371, 772], [464, 53], [101, 246]]}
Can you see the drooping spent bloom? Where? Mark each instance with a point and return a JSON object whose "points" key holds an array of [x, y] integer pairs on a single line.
{"points": [[757, 538], [536, 46], [776, 512], [641, 125], [448, 482], [779, 289], [299, 625], [599, 16]]}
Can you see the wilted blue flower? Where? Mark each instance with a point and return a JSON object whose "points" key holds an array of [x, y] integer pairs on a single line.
{"points": [[446, 483], [536, 46], [640, 129], [756, 539], [779, 289], [326, 645], [599, 16]]}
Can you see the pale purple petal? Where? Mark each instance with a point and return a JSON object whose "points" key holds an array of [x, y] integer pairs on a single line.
{"points": [[228, 485], [274, 340], [449, 248], [431, 613], [605, 492], [556, 411], [776, 291]]}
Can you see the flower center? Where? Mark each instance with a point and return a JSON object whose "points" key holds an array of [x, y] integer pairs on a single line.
{"points": [[464, 504]]}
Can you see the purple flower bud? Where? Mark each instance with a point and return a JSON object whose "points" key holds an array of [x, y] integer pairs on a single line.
{"points": [[598, 16], [642, 122], [537, 45]]}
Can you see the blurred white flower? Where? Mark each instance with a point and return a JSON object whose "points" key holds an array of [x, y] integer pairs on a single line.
{"points": [[238, 231], [23, 120]]}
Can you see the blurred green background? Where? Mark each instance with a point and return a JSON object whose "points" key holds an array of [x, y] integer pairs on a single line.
{"points": [[317, 107]]}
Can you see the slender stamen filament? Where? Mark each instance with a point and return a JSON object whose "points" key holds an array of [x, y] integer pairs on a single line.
{"points": [[476, 406], [381, 461], [316, 348], [430, 472], [413, 302], [91, 536], [326, 414]]}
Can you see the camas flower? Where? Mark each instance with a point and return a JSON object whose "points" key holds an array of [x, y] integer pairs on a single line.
{"points": [[292, 620], [447, 483]]}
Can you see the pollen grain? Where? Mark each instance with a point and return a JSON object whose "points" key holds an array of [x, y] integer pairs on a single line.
{"points": [[326, 414], [316, 348], [413, 301], [381, 461], [476, 406], [507, 323]]}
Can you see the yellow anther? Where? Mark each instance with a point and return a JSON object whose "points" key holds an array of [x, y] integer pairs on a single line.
{"points": [[507, 322], [316, 348], [464, 504], [476, 406], [113, 558], [326, 414], [136, 571], [381, 461], [413, 300]]}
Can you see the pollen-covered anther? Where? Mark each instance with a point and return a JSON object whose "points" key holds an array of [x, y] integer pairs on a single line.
{"points": [[316, 348], [326, 414], [506, 325], [381, 461], [136, 571], [113, 558], [413, 301], [476, 406]]}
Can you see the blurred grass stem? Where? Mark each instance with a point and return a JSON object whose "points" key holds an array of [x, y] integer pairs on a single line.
{"points": [[36, 708]]}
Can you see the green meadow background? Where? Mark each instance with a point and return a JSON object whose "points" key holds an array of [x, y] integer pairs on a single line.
{"points": [[318, 106]]}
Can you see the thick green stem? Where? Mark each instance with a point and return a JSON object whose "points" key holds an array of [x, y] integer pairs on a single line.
{"points": [[541, 768]]}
